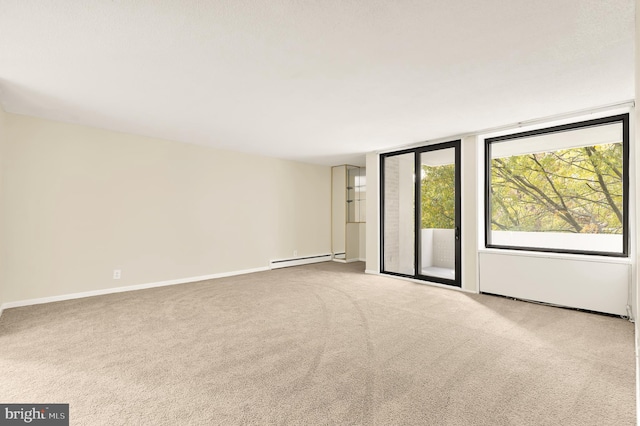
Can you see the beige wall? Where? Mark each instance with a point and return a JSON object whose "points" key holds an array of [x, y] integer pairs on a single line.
{"points": [[373, 214], [362, 242], [637, 194], [2, 143], [80, 202]]}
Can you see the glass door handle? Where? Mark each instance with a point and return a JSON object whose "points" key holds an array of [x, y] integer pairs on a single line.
{"points": [[457, 232]]}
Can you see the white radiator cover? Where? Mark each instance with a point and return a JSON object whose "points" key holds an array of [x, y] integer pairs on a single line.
{"points": [[596, 285]]}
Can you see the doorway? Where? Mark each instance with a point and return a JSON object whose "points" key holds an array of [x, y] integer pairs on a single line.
{"points": [[420, 213]]}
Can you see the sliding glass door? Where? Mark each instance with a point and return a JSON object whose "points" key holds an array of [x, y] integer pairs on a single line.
{"points": [[439, 214], [398, 212], [420, 193]]}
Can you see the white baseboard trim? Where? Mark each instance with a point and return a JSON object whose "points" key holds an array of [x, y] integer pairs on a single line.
{"points": [[371, 271], [285, 263], [101, 292], [349, 260]]}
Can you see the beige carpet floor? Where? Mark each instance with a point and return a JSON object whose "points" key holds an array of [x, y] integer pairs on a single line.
{"points": [[319, 344]]}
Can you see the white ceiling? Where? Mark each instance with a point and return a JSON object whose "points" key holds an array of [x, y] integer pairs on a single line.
{"points": [[321, 81]]}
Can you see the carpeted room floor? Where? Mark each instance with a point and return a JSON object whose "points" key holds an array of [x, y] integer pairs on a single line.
{"points": [[318, 344]]}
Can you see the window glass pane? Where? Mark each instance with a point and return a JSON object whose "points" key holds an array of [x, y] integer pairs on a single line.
{"points": [[399, 196], [560, 191]]}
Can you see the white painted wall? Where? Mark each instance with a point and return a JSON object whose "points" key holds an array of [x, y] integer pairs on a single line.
{"points": [[426, 248], [556, 278], [593, 284], [438, 248], [469, 229], [78, 202]]}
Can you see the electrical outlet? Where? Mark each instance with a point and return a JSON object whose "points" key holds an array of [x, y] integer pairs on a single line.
{"points": [[116, 274], [295, 253]]}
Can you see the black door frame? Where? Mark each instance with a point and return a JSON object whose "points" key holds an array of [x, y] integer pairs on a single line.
{"points": [[457, 282]]}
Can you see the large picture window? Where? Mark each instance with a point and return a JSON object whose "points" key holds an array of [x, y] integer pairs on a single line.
{"points": [[560, 189]]}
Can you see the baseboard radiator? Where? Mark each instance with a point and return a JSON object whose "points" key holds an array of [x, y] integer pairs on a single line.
{"points": [[285, 263]]}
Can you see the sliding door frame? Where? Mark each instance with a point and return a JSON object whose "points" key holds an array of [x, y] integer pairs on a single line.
{"points": [[457, 282]]}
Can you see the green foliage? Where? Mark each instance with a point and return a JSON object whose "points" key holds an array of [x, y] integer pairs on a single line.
{"points": [[575, 190], [572, 190], [438, 197]]}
